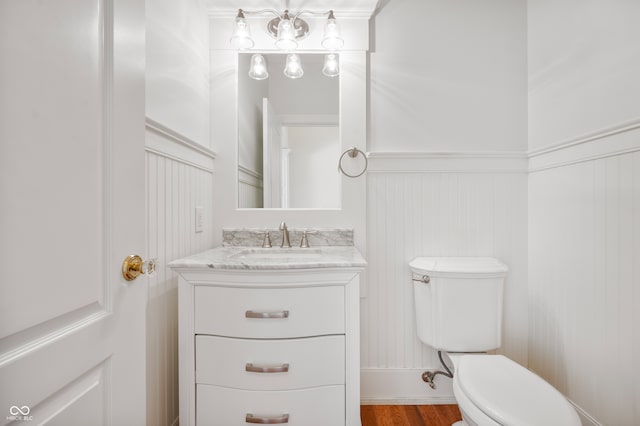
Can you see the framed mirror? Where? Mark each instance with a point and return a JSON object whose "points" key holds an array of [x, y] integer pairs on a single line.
{"points": [[288, 135]]}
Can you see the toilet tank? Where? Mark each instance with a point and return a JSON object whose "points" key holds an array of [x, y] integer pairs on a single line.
{"points": [[460, 308]]}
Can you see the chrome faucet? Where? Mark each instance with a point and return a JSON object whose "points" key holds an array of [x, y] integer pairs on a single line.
{"points": [[285, 235]]}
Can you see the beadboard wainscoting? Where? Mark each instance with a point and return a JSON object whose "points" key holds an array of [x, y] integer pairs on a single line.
{"points": [[438, 204], [179, 179], [250, 192], [584, 269]]}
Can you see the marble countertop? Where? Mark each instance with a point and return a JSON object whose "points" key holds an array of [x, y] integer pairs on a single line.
{"points": [[256, 258]]}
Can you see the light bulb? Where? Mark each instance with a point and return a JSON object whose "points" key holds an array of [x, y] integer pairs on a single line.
{"points": [[331, 66], [258, 67], [286, 37], [293, 66], [331, 39], [241, 37]]}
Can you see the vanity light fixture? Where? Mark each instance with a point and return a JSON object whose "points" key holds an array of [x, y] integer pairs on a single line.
{"points": [[331, 39], [331, 68], [285, 32], [287, 29], [241, 37], [258, 67], [293, 67]]}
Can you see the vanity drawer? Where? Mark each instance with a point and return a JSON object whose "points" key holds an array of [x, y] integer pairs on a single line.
{"points": [[218, 406], [290, 363], [269, 313]]}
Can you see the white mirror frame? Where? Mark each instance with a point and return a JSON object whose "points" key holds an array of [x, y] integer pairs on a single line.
{"points": [[224, 138]]}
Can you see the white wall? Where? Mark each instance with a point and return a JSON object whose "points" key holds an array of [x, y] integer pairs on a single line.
{"points": [[584, 204], [447, 175], [179, 177], [584, 62], [448, 76], [177, 67]]}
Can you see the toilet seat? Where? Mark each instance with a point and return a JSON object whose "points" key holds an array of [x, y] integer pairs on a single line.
{"points": [[509, 394]]}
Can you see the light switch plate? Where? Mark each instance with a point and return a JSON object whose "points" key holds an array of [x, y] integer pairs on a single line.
{"points": [[199, 219]]}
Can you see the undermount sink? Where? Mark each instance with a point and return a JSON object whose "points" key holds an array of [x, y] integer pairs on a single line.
{"points": [[277, 254]]}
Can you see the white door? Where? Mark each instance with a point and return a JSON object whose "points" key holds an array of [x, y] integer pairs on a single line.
{"points": [[72, 331], [272, 145]]}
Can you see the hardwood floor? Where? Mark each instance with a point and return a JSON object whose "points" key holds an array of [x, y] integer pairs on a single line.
{"points": [[409, 415]]}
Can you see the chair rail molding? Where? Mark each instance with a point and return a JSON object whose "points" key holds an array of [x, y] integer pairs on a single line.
{"points": [[454, 162], [168, 143], [621, 138]]}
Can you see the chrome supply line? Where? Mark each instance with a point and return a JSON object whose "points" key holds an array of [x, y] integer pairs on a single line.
{"points": [[428, 376]]}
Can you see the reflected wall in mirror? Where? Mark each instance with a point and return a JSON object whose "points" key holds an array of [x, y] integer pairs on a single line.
{"points": [[288, 136]]}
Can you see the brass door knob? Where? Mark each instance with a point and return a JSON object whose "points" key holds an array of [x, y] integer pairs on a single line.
{"points": [[133, 265]]}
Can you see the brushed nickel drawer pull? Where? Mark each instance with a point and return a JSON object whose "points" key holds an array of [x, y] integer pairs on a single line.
{"points": [[266, 368], [267, 420], [278, 314]]}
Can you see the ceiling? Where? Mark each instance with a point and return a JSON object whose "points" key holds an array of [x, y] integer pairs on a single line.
{"points": [[344, 8]]}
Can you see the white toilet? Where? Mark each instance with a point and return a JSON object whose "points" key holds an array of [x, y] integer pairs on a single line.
{"points": [[458, 304]]}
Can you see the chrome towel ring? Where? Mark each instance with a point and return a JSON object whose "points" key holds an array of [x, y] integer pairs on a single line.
{"points": [[353, 153]]}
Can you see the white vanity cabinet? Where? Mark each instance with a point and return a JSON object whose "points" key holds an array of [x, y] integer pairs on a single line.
{"points": [[269, 346]]}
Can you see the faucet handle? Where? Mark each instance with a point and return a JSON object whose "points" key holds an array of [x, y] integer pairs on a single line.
{"points": [[304, 243], [266, 242]]}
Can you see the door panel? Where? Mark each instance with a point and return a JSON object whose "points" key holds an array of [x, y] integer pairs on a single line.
{"points": [[71, 155], [79, 403], [56, 199]]}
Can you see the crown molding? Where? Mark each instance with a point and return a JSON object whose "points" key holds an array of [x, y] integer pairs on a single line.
{"points": [[362, 9]]}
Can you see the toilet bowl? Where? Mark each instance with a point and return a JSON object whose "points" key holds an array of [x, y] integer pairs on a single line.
{"points": [[492, 390], [458, 306]]}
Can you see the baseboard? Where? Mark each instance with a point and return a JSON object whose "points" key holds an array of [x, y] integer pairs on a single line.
{"points": [[402, 386], [408, 401]]}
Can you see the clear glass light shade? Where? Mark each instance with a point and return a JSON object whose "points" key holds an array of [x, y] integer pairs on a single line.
{"points": [[331, 39], [286, 38], [258, 67], [331, 66], [293, 66], [241, 37]]}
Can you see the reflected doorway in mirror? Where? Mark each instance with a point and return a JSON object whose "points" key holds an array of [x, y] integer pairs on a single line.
{"points": [[288, 150]]}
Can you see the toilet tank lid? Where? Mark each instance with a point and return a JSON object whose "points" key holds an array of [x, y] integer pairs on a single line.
{"points": [[459, 266], [512, 395]]}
